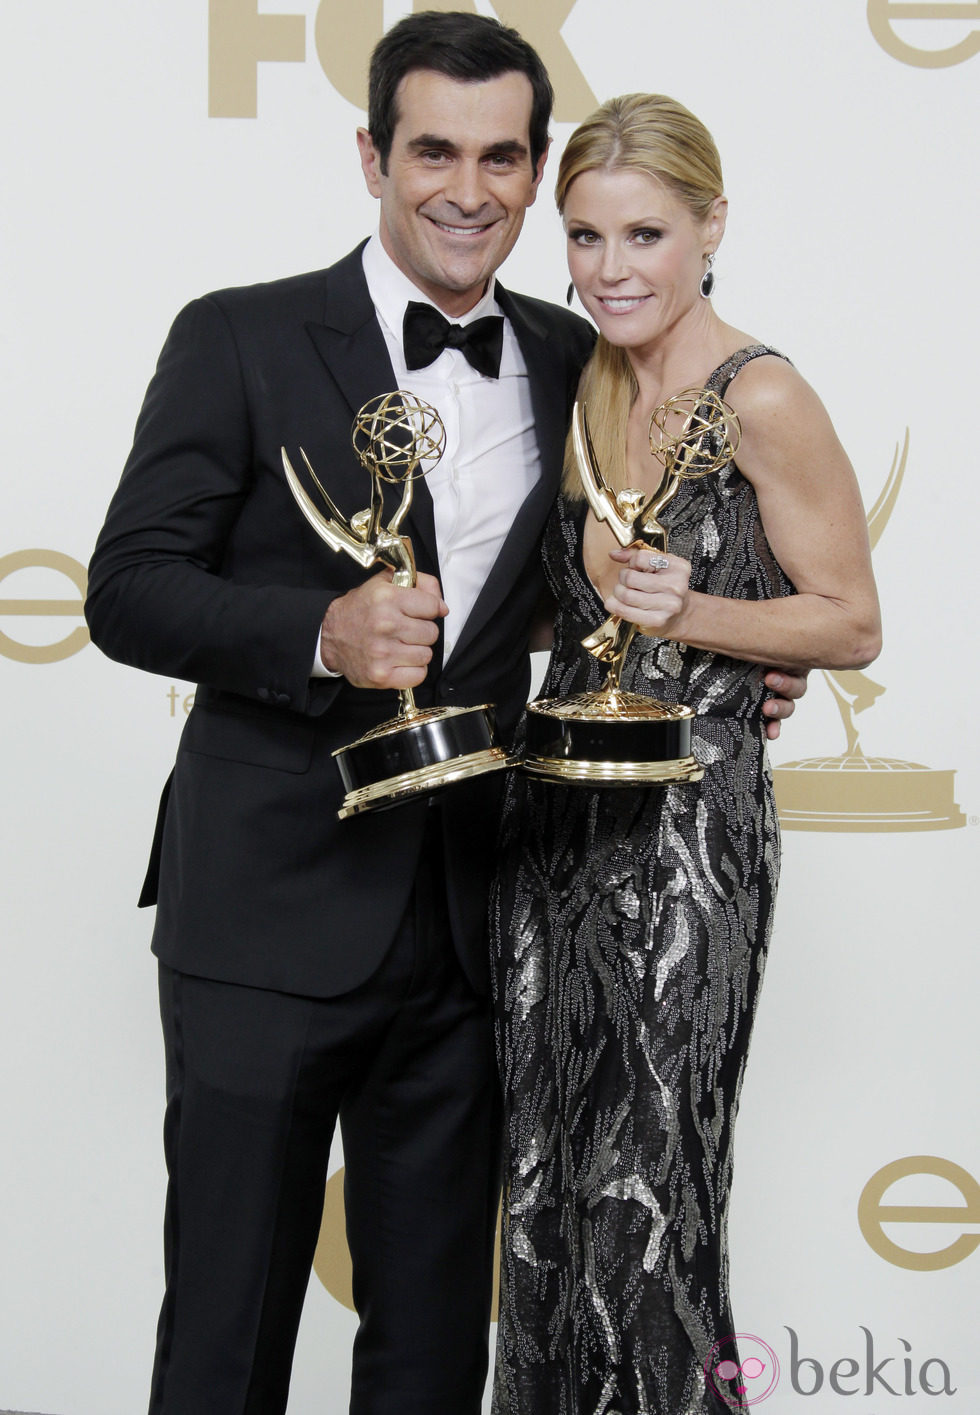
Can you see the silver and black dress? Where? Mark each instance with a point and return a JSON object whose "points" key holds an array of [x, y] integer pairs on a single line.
{"points": [[630, 930]]}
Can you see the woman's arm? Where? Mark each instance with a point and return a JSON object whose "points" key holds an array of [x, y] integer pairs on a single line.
{"points": [[813, 519]]}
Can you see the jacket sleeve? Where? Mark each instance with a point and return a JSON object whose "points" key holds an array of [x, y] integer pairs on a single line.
{"points": [[171, 587]]}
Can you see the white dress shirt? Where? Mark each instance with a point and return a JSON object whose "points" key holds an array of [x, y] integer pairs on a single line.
{"points": [[491, 460]]}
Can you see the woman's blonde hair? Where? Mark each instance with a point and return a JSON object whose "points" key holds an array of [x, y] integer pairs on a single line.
{"points": [[655, 135]]}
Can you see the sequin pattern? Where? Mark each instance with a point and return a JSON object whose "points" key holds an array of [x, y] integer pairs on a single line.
{"points": [[630, 929]]}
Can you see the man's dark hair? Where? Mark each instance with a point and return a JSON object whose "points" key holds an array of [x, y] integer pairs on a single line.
{"points": [[468, 48]]}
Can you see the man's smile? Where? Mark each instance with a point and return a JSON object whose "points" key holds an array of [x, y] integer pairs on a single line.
{"points": [[466, 231]]}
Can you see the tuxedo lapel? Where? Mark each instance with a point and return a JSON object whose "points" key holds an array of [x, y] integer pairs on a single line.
{"points": [[349, 340], [546, 376]]}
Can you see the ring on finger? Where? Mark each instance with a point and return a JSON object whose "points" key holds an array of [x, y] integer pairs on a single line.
{"points": [[658, 562]]}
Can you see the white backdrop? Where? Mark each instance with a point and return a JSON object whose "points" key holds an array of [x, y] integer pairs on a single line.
{"points": [[849, 134]]}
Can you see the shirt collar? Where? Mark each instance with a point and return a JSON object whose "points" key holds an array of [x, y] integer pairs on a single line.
{"points": [[390, 290]]}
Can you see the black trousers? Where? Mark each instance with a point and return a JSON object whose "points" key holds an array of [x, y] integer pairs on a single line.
{"points": [[256, 1081]]}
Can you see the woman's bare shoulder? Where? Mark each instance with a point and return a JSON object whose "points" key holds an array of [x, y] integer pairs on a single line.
{"points": [[768, 387], [784, 423]]}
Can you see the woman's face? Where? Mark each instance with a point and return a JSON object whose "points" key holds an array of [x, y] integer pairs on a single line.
{"points": [[636, 253]]}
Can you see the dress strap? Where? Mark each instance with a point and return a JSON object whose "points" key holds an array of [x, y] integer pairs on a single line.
{"points": [[724, 373]]}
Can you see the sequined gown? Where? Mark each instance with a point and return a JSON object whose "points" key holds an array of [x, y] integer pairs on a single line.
{"points": [[630, 930]]}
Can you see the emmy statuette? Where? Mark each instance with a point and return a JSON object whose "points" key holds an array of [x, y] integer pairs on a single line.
{"points": [[397, 437], [612, 737]]}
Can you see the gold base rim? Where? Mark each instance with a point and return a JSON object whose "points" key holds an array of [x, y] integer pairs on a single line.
{"points": [[842, 823], [393, 790], [586, 773]]}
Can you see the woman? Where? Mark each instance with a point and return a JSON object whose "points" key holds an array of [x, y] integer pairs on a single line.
{"points": [[631, 924]]}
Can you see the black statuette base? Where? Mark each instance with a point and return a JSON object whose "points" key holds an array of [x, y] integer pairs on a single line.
{"points": [[414, 756], [605, 750]]}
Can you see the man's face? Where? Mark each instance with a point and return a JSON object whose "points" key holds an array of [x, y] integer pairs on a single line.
{"points": [[458, 183]]}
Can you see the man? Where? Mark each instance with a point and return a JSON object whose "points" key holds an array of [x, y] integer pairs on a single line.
{"points": [[311, 969]]}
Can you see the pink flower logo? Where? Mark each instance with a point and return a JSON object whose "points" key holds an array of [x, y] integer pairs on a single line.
{"points": [[742, 1369]]}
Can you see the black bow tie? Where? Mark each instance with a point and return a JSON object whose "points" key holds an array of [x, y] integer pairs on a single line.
{"points": [[426, 333]]}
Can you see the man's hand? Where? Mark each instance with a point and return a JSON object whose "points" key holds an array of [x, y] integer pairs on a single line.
{"points": [[788, 686], [380, 635]]}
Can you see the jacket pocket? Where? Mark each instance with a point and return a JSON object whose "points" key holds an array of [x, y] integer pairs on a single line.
{"points": [[235, 730]]}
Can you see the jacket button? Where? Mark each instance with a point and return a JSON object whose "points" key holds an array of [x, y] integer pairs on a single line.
{"points": [[263, 694]]}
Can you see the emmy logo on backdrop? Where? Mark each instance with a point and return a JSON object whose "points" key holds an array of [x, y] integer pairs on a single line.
{"points": [[397, 437], [855, 791], [612, 737]]}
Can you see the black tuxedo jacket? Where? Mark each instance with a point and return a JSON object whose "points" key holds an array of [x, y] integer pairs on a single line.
{"points": [[206, 570]]}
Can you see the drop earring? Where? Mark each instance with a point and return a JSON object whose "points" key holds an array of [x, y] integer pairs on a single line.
{"points": [[708, 279], [569, 293]]}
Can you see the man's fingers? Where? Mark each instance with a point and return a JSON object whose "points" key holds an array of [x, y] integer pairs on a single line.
{"points": [[417, 605], [778, 708], [786, 683], [395, 620], [405, 677], [429, 585], [380, 635]]}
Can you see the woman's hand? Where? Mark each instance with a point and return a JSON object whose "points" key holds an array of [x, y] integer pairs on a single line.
{"points": [[652, 591]]}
